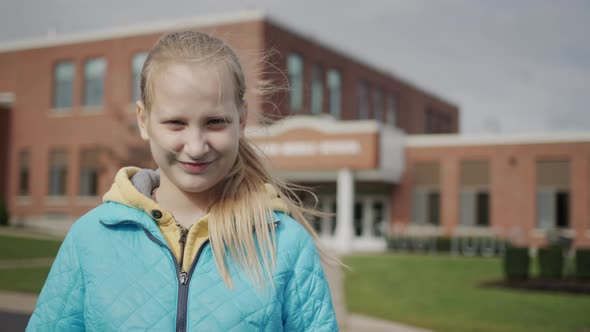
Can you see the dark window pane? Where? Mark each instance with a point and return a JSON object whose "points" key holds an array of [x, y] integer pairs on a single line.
{"points": [[483, 209], [94, 71], [378, 219], [433, 208], [63, 84], [317, 90], [334, 86], [358, 219], [562, 209], [295, 72], [333, 219]]}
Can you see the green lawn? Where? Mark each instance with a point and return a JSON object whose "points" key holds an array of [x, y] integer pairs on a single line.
{"points": [[12, 247], [436, 292], [442, 293], [27, 280]]}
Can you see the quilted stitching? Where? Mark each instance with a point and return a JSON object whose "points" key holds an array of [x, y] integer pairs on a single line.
{"points": [[129, 283]]}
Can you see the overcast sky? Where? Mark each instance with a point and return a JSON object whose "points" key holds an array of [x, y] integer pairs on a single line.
{"points": [[511, 66]]}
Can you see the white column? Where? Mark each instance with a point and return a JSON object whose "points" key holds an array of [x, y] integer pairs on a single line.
{"points": [[368, 217], [325, 224], [345, 211]]}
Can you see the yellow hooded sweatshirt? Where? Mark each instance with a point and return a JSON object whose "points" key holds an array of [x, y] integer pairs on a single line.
{"points": [[133, 187]]}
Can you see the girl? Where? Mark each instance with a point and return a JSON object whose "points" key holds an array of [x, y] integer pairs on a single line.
{"points": [[210, 241]]}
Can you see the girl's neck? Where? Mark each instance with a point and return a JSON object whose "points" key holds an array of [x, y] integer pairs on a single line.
{"points": [[186, 208]]}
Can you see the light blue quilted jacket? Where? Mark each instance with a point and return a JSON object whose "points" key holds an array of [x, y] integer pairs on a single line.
{"points": [[114, 272]]}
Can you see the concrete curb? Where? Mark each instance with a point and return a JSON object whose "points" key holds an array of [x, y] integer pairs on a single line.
{"points": [[17, 302]]}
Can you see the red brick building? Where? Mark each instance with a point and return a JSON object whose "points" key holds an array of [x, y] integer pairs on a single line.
{"points": [[68, 124]]}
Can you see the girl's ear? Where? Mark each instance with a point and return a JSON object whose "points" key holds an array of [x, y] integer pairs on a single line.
{"points": [[243, 117], [142, 120]]}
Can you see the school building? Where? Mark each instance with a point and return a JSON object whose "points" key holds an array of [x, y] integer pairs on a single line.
{"points": [[380, 152]]}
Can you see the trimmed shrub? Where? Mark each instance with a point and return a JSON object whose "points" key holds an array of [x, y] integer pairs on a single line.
{"points": [[4, 217], [461, 245], [516, 263], [583, 264], [443, 244], [551, 262]]}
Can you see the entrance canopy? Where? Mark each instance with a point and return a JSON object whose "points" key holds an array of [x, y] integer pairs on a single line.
{"points": [[315, 148]]}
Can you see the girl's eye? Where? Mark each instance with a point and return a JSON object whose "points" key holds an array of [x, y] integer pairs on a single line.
{"points": [[174, 123], [217, 122]]}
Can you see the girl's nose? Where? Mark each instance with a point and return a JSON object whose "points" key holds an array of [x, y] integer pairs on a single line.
{"points": [[196, 145]]}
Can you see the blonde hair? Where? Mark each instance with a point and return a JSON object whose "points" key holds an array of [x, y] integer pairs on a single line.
{"points": [[241, 214]]}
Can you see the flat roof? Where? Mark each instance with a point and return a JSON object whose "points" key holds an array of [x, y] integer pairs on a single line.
{"points": [[442, 140]]}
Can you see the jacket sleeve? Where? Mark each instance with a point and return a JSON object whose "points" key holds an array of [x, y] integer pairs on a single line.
{"points": [[307, 302], [60, 306]]}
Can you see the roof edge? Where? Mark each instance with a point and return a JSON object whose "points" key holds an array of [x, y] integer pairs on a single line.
{"points": [[135, 30], [426, 141]]}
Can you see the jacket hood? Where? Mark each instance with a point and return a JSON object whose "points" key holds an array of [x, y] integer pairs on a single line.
{"points": [[133, 187]]}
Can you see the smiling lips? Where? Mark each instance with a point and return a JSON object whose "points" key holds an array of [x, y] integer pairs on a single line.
{"points": [[195, 167]]}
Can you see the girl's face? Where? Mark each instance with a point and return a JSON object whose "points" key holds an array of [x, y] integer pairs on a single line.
{"points": [[194, 125]]}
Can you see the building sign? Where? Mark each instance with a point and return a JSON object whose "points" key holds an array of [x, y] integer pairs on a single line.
{"points": [[312, 148]]}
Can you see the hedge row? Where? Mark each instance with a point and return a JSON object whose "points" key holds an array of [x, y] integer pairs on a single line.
{"points": [[468, 246], [516, 263]]}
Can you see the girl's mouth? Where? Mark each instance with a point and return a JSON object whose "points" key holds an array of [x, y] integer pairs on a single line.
{"points": [[195, 167]]}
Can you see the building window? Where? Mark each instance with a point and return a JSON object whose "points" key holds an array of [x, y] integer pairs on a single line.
{"points": [[335, 91], [24, 173], [317, 89], [392, 110], [136, 67], [332, 224], [58, 166], [94, 72], [553, 194], [475, 198], [378, 105], [475, 208], [483, 209], [363, 99], [63, 84], [379, 219], [358, 218], [426, 206], [426, 193], [295, 72], [89, 169], [433, 208]]}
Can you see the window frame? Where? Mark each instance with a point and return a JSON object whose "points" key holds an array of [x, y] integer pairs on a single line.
{"points": [[87, 87], [58, 86]]}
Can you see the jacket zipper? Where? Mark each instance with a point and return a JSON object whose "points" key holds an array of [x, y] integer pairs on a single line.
{"points": [[183, 277], [182, 241]]}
